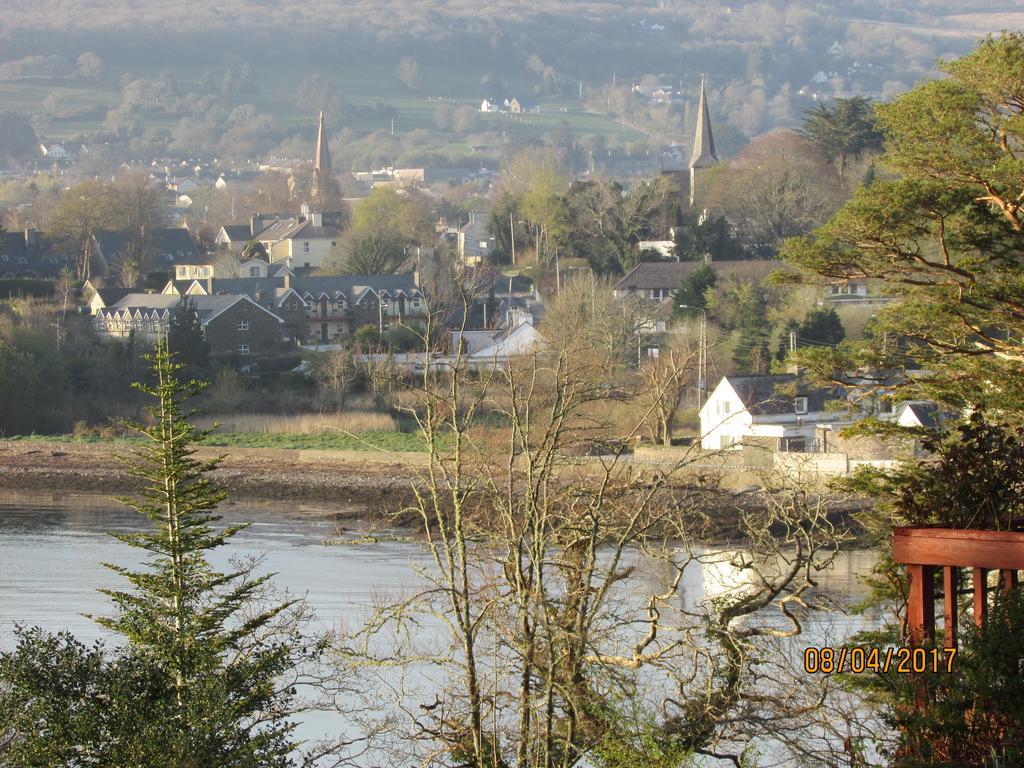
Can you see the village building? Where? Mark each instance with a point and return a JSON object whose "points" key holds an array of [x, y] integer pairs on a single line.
{"points": [[233, 325], [779, 412], [659, 280], [703, 155]]}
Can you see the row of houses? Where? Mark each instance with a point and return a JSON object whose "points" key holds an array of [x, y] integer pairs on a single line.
{"points": [[291, 310]]}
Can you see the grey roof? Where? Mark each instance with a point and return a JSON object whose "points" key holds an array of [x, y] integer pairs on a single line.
{"points": [[171, 245], [238, 232], [145, 301], [667, 275], [289, 229], [769, 395], [703, 155], [110, 296], [20, 259], [928, 415]]}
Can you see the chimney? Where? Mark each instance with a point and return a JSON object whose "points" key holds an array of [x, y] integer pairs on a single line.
{"points": [[31, 237], [304, 212], [209, 285], [255, 224], [287, 280]]}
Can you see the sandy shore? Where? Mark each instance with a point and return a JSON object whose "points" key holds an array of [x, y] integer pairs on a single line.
{"points": [[360, 477]]}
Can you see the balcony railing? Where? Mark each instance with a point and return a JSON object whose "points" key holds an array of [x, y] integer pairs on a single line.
{"points": [[925, 550]]}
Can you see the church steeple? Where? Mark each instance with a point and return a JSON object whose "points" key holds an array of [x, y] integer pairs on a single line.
{"points": [[703, 155], [321, 167]]}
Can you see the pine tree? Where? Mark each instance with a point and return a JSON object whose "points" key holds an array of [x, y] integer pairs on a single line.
{"points": [[206, 629]]}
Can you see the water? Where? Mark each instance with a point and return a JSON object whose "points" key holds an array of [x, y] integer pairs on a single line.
{"points": [[52, 547]]}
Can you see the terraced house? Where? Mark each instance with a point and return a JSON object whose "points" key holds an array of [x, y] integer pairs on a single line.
{"points": [[325, 309], [234, 326]]}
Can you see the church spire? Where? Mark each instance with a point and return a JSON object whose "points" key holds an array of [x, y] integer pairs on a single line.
{"points": [[703, 155], [321, 167]]}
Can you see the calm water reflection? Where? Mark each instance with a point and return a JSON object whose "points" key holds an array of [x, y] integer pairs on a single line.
{"points": [[52, 547]]}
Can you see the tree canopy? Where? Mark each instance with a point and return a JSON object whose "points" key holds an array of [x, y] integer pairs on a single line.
{"points": [[940, 231]]}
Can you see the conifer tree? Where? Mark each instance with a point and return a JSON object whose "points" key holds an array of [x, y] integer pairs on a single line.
{"points": [[207, 630]]}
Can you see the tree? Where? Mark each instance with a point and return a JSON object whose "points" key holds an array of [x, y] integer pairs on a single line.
{"points": [[844, 130], [81, 212], [338, 375], [185, 335], [780, 186], [408, 73], [207, 630], [664, 380], [821, 326], [557, 648], [971, 477], [140, 208], [18, 139], [62, 703], [938, 232], [693, 289], [372, 253]]}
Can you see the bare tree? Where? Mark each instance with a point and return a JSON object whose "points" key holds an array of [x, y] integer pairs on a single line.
{"points": [[555, 585], [663, 381]]}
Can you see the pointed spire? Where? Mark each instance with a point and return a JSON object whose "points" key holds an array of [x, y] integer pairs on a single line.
{"points": [[703, 142], [321, 166]]}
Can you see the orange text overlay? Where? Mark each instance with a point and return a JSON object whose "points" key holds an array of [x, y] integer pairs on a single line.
{"points": [[900, 659]]}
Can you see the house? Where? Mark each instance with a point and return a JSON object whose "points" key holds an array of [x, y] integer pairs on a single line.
{"points": [[101, 298], [494, 349], [490, 105], [324, 309], [777, 412], [659, 280], [27, 254], [305, 241], [920, 414], [854, 291], [163, 248], [233, 325], [233, 237]]}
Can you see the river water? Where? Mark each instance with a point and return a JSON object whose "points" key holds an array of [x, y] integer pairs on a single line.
{"points": [[52, 547]]}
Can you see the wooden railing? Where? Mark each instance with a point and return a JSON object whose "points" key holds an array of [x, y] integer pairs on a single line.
{"points": [[924, 550]]}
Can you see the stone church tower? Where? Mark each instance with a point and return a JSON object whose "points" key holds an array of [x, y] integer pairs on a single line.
{"points": [[323, 181], [703, 155]]}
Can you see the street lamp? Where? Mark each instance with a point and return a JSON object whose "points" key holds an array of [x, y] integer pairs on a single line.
{"points": [[702, 354]]}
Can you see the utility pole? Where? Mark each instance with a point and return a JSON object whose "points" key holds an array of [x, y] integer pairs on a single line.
{"points": [[512, 233]]}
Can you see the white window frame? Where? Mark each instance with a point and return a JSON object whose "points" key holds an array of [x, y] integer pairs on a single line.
{"points": [[800, 405], [243, 325], [243, 349]]}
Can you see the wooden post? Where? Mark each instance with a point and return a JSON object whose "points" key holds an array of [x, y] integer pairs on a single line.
{"points": [[949, 588], [980, 583], [921, 606]]}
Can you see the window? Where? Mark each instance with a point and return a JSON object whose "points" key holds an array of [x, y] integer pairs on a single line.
{"points": [[243, 349], [800, 404], [305, 247], [243, 325], [254, 271], [724, 406]]}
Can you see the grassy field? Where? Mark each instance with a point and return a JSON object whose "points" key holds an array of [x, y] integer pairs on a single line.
{"points": [[367, 85], [323, 441]]}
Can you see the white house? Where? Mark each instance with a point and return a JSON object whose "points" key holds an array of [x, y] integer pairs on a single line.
{"points": [[745, 408], [493, 349]]}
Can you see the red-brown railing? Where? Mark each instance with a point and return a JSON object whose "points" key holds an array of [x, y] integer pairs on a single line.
{"points": [[923, 550]]}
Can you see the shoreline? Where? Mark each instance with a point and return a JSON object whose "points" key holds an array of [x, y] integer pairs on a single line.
{"points": [[366, 478]]}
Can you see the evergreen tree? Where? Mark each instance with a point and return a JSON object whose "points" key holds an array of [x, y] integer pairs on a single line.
{"points": [[844, 129], [185, 335], [693, 288], [206, 629], [941, 232], [821, 326]]}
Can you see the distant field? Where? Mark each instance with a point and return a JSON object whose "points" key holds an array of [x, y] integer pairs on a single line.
{"points": [[368, 85]]}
